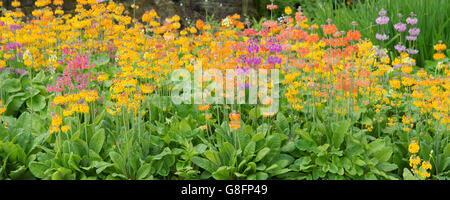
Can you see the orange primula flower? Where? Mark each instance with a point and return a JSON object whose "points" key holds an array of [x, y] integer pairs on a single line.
{"points": [[329, 29], [235, 124], [234, 115], [203, 108]]}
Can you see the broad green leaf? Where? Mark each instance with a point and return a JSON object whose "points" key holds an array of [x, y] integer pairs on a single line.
{"points": [[339, 133], [184, 126], [289, 147], [38, 169], [63, 174], [366, 121], [249, 149], [387, 167], [273, 142], [272, 167], [384, 155], [200, 148], [118, 160], [16, 174], [14, 103], [261, 154], [11, 85], [282, 122], [375, 146], [37, 103], [227, 154], [258, 137], [251, 168], [143, 171], [97, 140], [261, 176], [204, 164], [301, 164], [223, 173], [447, 151], [101, 166], [407, 175]]}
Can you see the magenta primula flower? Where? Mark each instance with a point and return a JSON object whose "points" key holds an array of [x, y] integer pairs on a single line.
{"points": [[382, 12], [412, 20], [272, 60], [382, 37], [400, 48], [400, 27], [411, 38], [382, 20], [414, 31], [412, 51]]}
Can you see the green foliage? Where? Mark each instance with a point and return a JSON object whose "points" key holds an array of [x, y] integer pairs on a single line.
{"points": [[22, 93]]}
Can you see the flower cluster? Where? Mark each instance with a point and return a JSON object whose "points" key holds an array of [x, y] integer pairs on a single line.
{"points": [[439, 48], [419, 168], [235, 122]]}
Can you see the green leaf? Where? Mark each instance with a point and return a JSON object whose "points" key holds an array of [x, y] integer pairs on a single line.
{"points": [[407, 175], [305, 145], [227, 154], [38, 103], [11, 85], [97, 140], [143, 171], [261, 176], [447, 151], [302, 164], [282, 122], [375, 146], [251, 168], [223, 173], [119, 161], [38, 169], [74, 161], [16, 174], [445, 164], [323, 148], [387, 167], [339, 133], [258, 137], [204, 164], [261, 154], [14, 102], [79, 147], [184, 126], [200, 148], [384, 155], [101, 166], [39, 78], [249, 149], [63, 174], [289, 147], [366, 121], [274, 143]]}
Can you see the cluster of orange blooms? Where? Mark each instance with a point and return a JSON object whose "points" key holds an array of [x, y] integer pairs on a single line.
{"points": [[73, 102], [235, 122]]}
